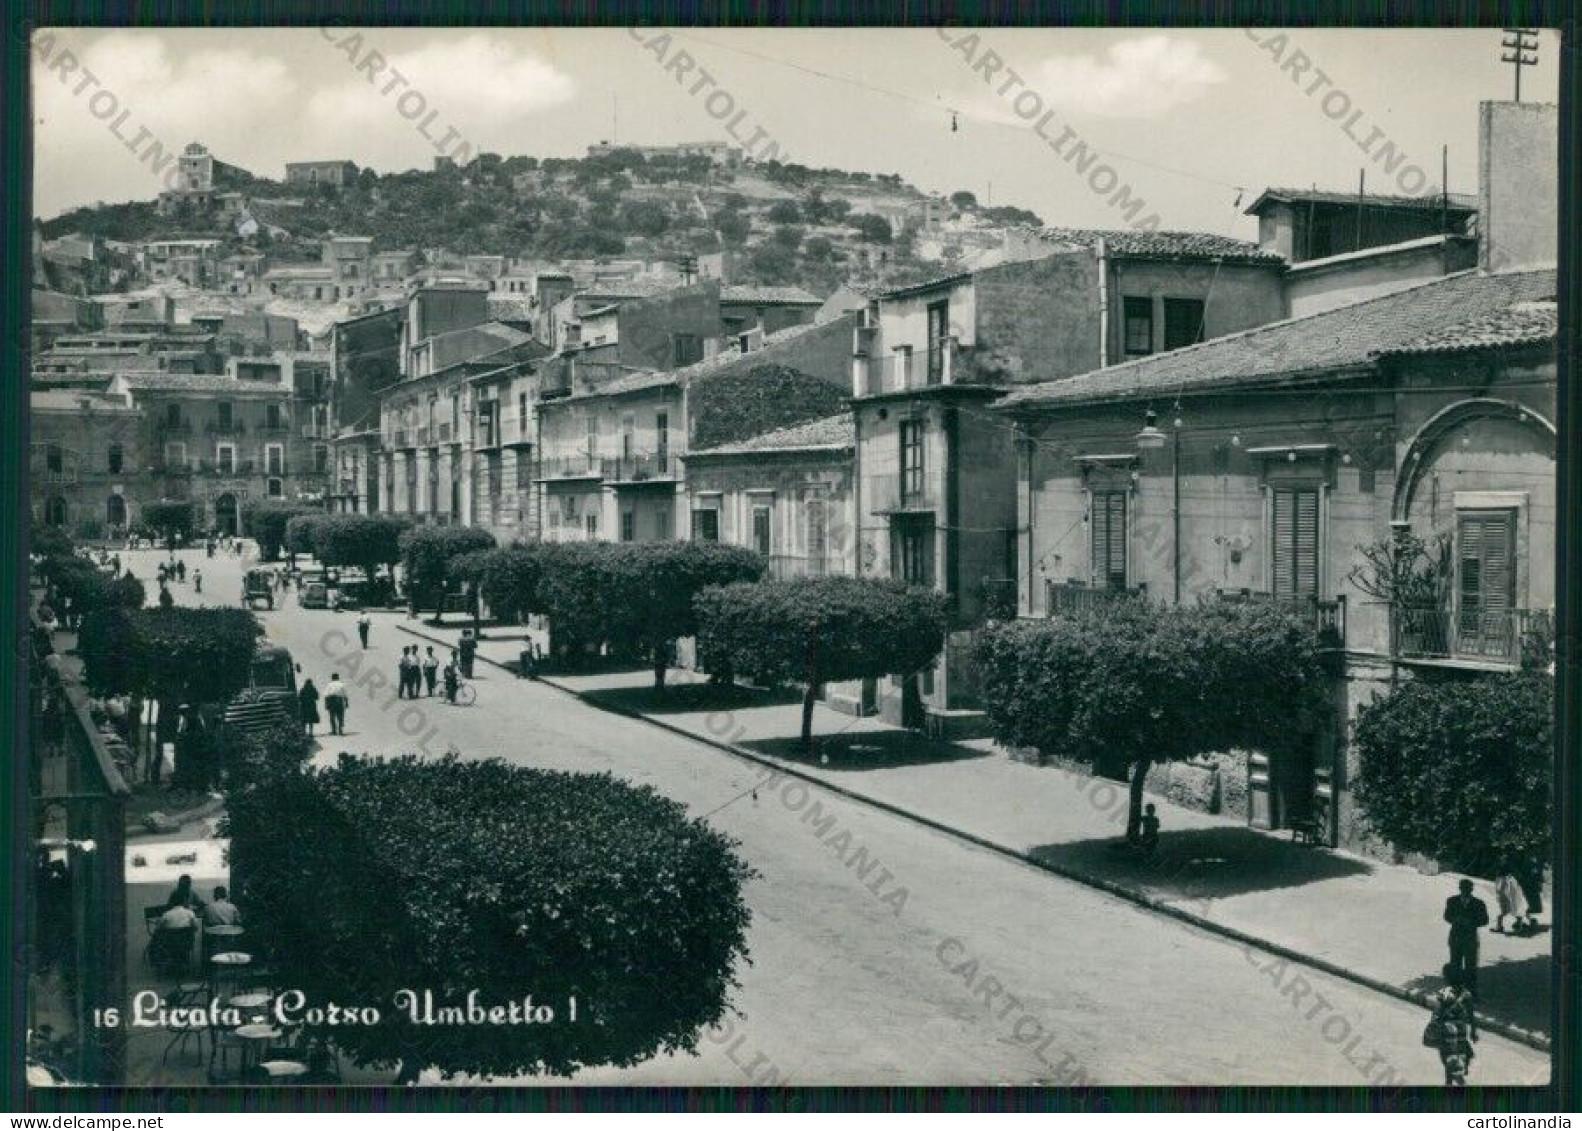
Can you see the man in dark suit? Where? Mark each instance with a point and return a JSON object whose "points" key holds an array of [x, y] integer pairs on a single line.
{"points": [[1466, 914]]}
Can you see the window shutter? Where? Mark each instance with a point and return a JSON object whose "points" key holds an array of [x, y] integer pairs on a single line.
{"points": [[1306, 550], [1283, 524], [1109, 539], [1295, 543], [1487, 571]]}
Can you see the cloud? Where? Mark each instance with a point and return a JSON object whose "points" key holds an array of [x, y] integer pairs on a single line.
{"points": [[1135, 78], [477, 85]]}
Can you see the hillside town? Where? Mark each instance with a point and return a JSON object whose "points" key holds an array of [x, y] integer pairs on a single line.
{"points": [[1348, 423]]}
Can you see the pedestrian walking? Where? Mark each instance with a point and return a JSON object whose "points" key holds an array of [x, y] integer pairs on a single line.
{"points": [[430, 670], [410, 671], [197, 581], [452, 678], [181, 571], [1530, 877], [166, 601], [364, 623], [1453, 1028], [468, 649], [1148, 833], [308, 706], [1509, 893], [1466, 914], [335, 700]]}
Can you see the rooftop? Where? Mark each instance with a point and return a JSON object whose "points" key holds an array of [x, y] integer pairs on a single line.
{"points": [[830, 433], [1453, 309], [63, 400], [1162, 245], [200, 383], [769, 296], [1459, 201], [1520, 324]]}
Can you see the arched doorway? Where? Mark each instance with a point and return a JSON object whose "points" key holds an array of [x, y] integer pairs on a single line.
{"points": [[225, 514], [55, 511], [115, 512]]}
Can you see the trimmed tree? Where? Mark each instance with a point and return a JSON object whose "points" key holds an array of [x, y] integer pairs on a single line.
{"points": [[426, 554], [169, 518], [814, 630], [266, 520], [1132, 684], [1460, 770], [638, 597], [599, 893], [363, 541], [175, 656], [299, 534], [508, 577]]}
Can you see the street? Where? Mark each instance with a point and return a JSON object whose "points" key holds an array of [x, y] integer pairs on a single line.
{"points": [[961, 967]]}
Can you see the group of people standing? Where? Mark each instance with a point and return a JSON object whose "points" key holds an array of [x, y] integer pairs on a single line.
{"points": [[416, 672]]}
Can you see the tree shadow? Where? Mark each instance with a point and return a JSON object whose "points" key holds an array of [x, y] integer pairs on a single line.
{"points": [[1514, 990], [689, 698], [857, 751], [1202, 863]]}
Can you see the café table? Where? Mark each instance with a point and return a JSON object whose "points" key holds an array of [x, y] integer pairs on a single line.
{"points": [[255, 1037], [283, 1069], [227, 965]]}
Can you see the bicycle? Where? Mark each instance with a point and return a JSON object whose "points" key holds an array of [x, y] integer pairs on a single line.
{"points": [[465, 695]]}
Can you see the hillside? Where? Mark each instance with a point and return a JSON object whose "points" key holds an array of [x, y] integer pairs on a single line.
{"points": [[790, 224]]}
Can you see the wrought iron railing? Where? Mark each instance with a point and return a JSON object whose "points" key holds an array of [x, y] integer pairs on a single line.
{"points": [[636, 469], [1502, 636], [570, 467], [1074, 598]]}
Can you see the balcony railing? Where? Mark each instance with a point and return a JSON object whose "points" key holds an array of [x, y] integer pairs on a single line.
{"points": [[637, 469], [1328, 617], [909, 369], [176, 427], [571, 467], [1073, 598], [221, 428], [63, 476], [1502, 636], [890, 494]]}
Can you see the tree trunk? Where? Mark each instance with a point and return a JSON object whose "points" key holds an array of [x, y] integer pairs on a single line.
{"points": [[661, 660], [1134, 805], [808, 697]]}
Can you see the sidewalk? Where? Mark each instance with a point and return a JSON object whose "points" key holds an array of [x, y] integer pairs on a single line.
{"points": [[1375, 923]]}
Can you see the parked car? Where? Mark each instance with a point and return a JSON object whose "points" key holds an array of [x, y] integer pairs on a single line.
{"points": [[271, 692], [315, 595], [256, 587]]}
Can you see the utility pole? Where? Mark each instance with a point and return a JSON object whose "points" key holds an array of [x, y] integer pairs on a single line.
{"points": [[1521, 50]]}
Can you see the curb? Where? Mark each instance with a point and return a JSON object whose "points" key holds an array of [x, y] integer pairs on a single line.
{"points": [[1109, 887]]}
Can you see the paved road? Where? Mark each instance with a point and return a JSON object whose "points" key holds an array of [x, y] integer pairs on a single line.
{"points": [[961, 968]]}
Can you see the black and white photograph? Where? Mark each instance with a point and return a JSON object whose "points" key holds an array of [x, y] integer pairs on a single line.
{"points": [[784, 558]]}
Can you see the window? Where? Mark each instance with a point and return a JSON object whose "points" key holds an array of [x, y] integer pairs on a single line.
{"points": [[688, 349], [591, 522], [912, 539], [54, 459], [274, 459], [1108, 523], [1139, 326], [173, 415], [628, 526], [662, 524], [176, 454], [706, 525], [628, 436], [321, 458], [226, 415], [521, 415], [938, 335], [117, 457], [911, 459], [593, 436], [761, 539], [903, 367], [225, 458], [662, 440], [276, 489], [1183, 322], [272, 416], [817, 518], [1485, 573], [524, 470], [1295, 551]]}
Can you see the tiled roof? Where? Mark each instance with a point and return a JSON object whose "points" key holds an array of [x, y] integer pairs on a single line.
{"points": [[831, 433], [769, 296], [1332, 339], [200, 383], [630, 288], [1163, 245], [1459, 201], [65, 400], [1523, 323], [636, 382]]}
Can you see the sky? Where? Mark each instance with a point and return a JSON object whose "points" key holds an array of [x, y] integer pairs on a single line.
{"points": [[1076, 125]]}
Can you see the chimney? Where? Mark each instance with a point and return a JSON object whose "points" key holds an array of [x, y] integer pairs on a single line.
{"points": [[1518, 185]]}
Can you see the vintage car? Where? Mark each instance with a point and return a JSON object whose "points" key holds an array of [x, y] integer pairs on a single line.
{"points": [[314, 595], [256, 586]]}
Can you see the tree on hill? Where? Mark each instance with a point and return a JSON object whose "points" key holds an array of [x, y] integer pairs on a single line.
{"points": [[601, 892], [644, 218], [784, 212], [871, 228], [788, 238], [816, 630], [733, 227], [963, 200]]}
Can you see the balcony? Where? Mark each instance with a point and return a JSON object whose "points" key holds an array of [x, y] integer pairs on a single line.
{"points": [[571, 467], [902, 370], [639, 469], [1328, 617], [399, 438], [59, 477], [1504, 637], [1073, 598], [902, 494], [175, 428], [224, 428], [442, 434]]}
